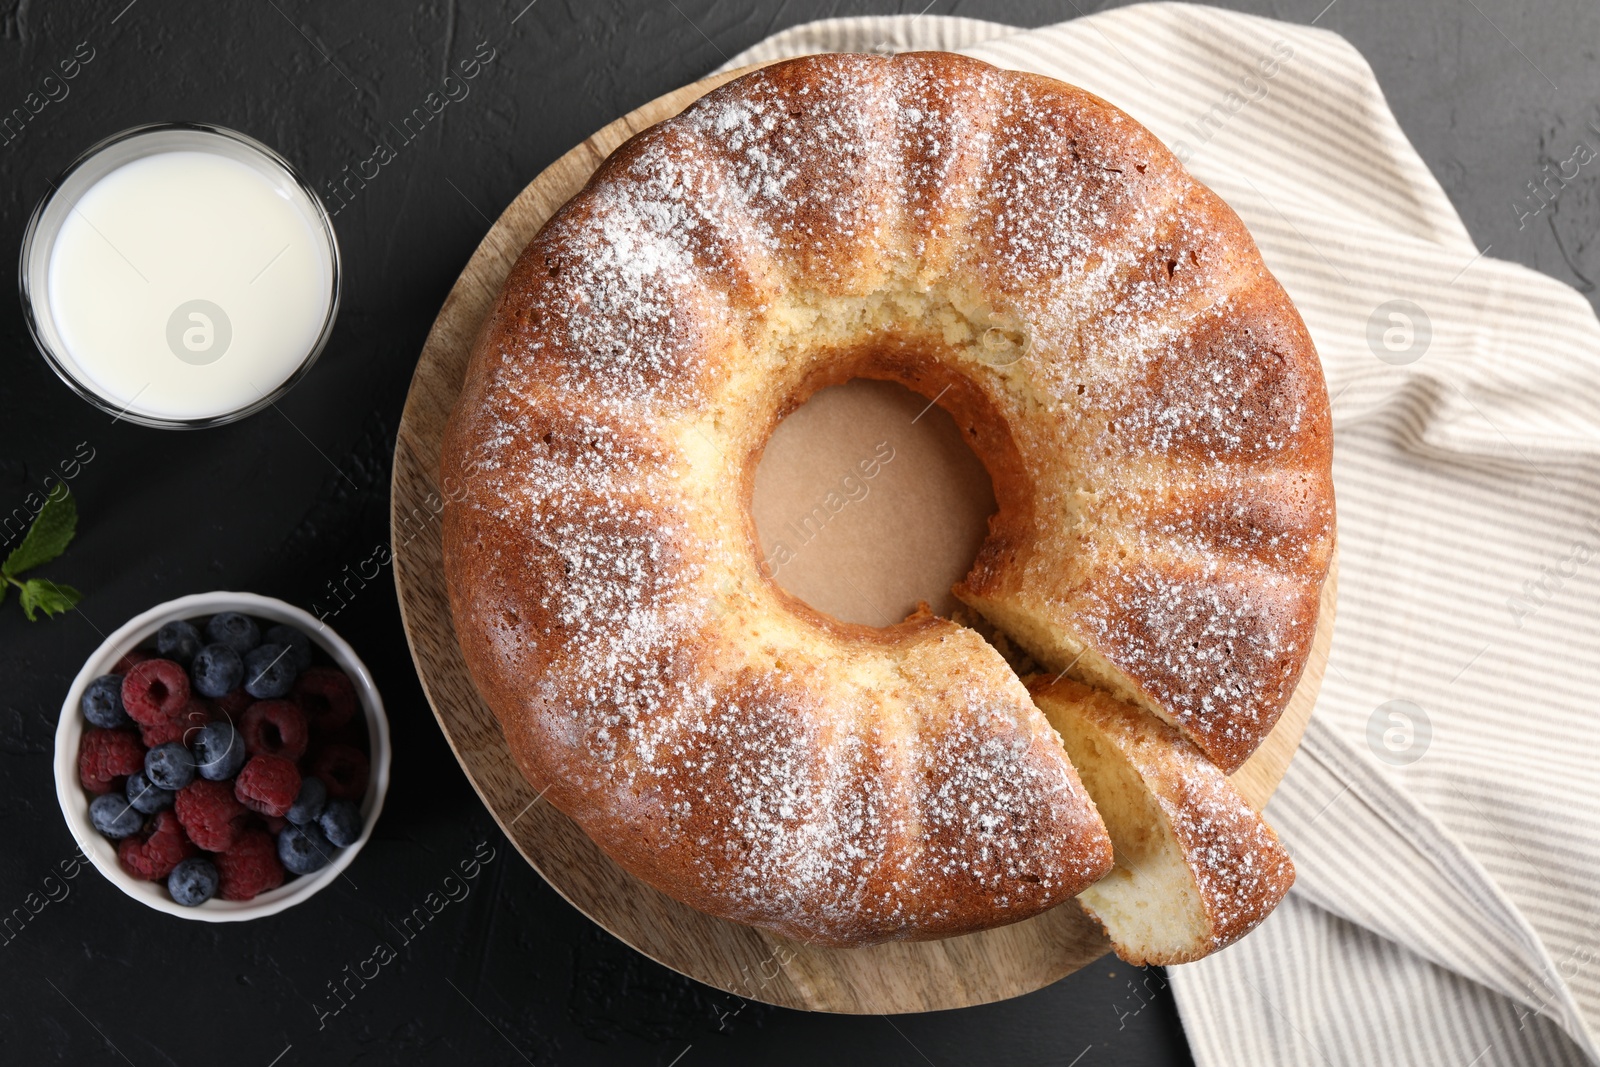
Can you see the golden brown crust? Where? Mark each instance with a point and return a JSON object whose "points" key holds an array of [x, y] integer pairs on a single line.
{"points": [[1238, 868], [1011, 245]]}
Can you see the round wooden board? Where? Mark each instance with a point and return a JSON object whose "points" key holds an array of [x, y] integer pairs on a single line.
{"points": [[902, 977]]}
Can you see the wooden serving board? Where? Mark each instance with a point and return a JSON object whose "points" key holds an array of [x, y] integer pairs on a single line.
{"points": [[903, 977]]}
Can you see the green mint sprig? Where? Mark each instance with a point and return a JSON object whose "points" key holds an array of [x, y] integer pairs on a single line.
{"points": [[46, 539]]}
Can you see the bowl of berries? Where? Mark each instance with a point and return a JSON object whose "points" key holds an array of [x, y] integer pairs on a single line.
{"points": [[222, 756]]}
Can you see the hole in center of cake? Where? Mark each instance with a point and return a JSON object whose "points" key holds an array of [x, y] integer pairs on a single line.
{"points": [[868, 500]]}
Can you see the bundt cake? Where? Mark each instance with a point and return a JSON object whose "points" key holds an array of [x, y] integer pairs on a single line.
{"points": [[1144, 396]]}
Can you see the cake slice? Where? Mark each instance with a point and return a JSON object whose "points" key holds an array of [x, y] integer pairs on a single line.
{"points": [[1196, 868]]}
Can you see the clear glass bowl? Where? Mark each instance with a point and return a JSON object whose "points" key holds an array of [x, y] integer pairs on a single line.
{"points": [[39, 240]]}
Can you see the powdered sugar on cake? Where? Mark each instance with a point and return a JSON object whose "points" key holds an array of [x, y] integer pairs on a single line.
{"points": [[766, 765]]}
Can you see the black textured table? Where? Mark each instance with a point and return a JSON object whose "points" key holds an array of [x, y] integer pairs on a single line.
{"points": [[1495, 96]]}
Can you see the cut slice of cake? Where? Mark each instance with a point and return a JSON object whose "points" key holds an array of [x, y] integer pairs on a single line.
{"points": [[1196, 867]]}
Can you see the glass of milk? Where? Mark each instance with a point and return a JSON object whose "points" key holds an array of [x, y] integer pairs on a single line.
{"points": [[180, 275]]}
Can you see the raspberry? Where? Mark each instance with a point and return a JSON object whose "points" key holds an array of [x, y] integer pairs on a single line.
{"points": [[210, 814], [233, 704], [250, 867], [274, 823], [152, 855], [327, 696], [343, 768], [353, 733], [107, 756], [194, 715], [160, 733], [275, 727], [125, 664], [268, 784], [155, 690]]}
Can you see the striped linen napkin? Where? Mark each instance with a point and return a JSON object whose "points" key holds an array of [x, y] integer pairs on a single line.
{"points": [[1444, 809]]}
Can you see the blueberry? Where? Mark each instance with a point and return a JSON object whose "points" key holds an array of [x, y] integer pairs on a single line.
{"points": [[216, 671], [238, 632], [169, 766], [146, 797], [193, 882], [113, 816], [218, 751], [341, 823], [303, 849], [269, 671], [299, 644], [102, 701], [178, 640], [308, 803]]}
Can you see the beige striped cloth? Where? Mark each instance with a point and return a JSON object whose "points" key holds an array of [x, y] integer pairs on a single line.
{"points": [[1444, 810]]}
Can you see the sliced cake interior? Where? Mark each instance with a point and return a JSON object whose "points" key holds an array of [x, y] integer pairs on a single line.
{"points": [[1196, 867]]}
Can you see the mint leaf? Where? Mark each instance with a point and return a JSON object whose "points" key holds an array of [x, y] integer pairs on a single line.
{"points": [[48, 597], [47, 538]]}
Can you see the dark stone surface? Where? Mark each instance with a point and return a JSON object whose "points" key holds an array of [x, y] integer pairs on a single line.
{"points": [[283, 502]]}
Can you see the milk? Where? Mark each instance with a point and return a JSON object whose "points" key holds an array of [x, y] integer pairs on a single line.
{"points": [[188, 284]]}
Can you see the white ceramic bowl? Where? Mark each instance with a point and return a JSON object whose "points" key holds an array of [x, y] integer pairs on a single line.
{"points": [[140, 629]]}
